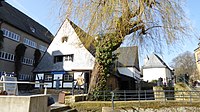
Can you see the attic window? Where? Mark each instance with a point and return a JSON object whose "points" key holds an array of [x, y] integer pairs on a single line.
{"points": [[64, 39], [32, 29]]}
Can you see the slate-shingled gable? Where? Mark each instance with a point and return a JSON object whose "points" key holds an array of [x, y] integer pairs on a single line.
{"points": [[128, 57], [155, 61], [16, 18]]}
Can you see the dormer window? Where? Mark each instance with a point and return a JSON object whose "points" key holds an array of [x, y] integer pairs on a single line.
{"points": [[32, 29], [58, 59], [69, 57]]}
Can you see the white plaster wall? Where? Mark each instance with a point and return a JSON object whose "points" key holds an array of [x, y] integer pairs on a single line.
{"points": [[168, 74], [154, 73], [129, 71], [82, 57]]}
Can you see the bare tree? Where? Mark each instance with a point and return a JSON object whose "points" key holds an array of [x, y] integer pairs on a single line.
{"points": [[184, 63], [151, 23]]}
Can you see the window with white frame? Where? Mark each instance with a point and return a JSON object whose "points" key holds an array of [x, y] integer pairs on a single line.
{"points": [[11, 57], [30, 43], [27, 61], [69, 76], [7, 56], [69, 57], [48, 77], [11, 35], [42, 48]]}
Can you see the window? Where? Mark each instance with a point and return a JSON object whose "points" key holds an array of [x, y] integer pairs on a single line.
{"points": [[48, 77], [2, 54], [42, 48], [58, 59], [69, 57], [6, 56], [27, 61], [30, 43], [32, 29], [68, 76], [11, 35], [11, 57], [64, 39]]}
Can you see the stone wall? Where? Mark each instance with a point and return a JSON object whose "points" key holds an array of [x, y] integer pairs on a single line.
{"points": [[170, 109], [34, 103]]}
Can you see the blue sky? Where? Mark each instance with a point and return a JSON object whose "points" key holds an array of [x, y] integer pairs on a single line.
{"points": [[46, 12]]}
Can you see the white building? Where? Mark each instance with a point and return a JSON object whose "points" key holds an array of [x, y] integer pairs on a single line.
{"points": [[71, 54], [155, 68]]}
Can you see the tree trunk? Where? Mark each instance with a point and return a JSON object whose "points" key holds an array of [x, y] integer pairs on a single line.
{"points": [[97, 82], [93, 80]]}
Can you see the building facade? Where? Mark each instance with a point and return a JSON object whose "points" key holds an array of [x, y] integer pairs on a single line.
{"points": [[20, 32], [66, 59], [69, 57], [154, 68], [197, 58]]}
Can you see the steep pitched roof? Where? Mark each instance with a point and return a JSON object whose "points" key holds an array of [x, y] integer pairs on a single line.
{"points": [[86, 39], [154, 61], [77, 39], [128, 57], [16, 18]]}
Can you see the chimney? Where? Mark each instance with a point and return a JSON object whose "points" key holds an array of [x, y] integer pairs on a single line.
{"points": [[1, 3]]}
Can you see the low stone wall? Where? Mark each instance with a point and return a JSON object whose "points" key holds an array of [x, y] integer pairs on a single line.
{"points": [[170, 109], [75, 98], [34, 103]]}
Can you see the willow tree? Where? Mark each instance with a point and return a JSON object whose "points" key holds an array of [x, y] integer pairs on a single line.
{"points": [[150, 23]]}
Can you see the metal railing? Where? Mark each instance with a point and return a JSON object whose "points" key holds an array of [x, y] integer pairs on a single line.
{"points": [[135, 95], [21, 82], [186, 83]]}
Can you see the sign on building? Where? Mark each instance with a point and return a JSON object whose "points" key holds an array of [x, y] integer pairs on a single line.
{"points": [[10, 88]]}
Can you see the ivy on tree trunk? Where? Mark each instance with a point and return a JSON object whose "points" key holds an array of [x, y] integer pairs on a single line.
{"points": [[103, 65]]}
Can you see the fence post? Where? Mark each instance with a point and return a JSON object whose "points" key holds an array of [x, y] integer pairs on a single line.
{"points": [[73, 88], [165, 96], [45, 90], [139, 95], [190, 97], [86, 91], [104, 95], [113, 94], [124, 95]]}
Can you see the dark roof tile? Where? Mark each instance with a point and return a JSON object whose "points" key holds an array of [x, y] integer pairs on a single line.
{"points": [[16, 18], [128, 57]]}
